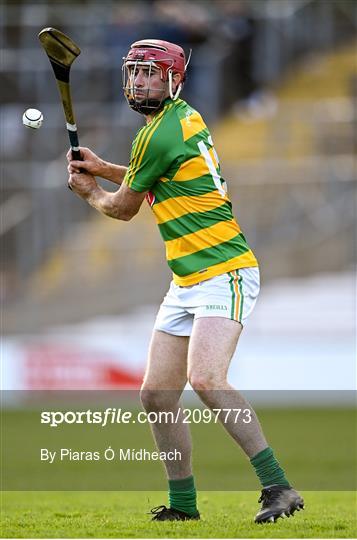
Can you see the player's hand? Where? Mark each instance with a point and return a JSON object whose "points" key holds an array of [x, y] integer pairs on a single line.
{"points": [[91, 163], [83, 184]]}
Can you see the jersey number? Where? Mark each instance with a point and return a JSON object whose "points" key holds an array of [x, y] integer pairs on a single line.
{"points": [[212, 169]]}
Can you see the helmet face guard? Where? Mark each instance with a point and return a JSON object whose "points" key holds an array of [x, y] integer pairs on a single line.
{"points": [[153, 54], [145, 104]]}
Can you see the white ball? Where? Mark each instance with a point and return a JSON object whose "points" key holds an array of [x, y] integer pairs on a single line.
{"points": [[32, 118]]}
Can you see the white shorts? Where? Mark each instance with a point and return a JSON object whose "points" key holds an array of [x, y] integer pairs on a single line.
{"points": [[232, 295]]}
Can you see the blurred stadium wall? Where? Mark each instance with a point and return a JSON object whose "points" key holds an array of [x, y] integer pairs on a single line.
{"points": [[276, 82]]}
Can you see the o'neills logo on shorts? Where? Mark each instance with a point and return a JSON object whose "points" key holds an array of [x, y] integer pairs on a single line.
{"points": [[150, 197], [216, 307]]}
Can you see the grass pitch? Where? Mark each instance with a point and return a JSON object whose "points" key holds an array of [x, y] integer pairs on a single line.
{"points": [[124, 515]]}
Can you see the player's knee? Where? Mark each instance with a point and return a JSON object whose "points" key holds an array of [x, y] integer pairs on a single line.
{"points": [[202, 382], [154, 400]]}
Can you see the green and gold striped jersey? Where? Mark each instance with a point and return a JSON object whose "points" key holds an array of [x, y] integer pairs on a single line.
{"points": [[173, 158]]}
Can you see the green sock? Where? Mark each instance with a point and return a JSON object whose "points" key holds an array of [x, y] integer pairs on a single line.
{"points": [[182, 495], [268, 469]]}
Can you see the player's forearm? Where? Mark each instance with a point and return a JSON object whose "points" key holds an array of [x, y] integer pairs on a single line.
{"points": [[113, 173], [106, 203]]}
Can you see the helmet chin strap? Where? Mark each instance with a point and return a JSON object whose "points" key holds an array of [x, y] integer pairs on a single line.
{"points": [[178, 90]]}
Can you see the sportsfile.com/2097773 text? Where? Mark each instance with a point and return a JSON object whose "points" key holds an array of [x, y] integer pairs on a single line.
{"points": [[121, 416]]}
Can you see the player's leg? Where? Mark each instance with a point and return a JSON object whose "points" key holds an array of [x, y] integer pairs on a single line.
{"points": [[164, 381], [212, 344]]}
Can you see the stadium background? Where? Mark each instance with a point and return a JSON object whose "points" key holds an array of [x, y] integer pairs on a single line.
{"points": [[276, 82]]}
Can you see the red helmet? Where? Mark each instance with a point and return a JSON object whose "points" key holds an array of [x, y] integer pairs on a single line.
{"points": [[165, 54]]}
